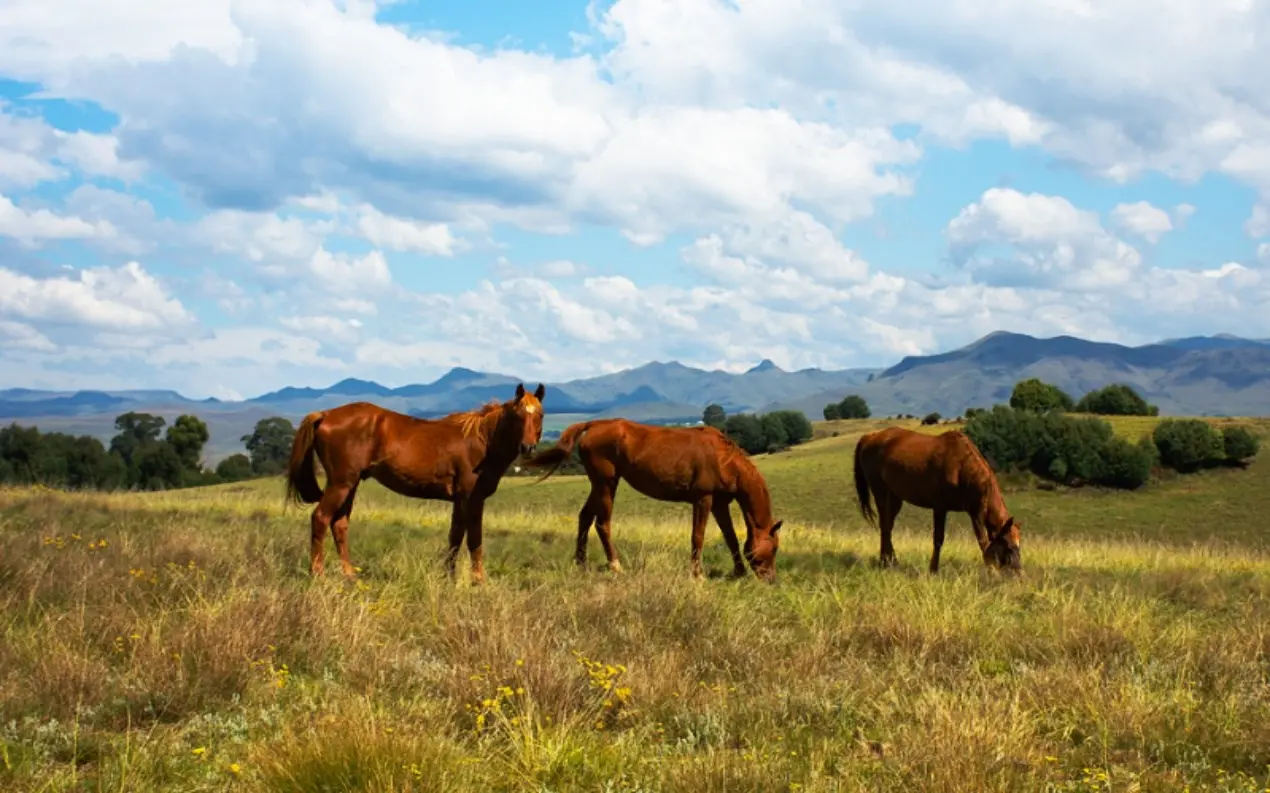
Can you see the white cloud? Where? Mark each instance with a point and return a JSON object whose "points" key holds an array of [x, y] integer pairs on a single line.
{"points": [[1145, 220], [123, 300], [33, 227], [324, 328], [398, 234], [1052, 243], [1258, 225], [18, 335]]}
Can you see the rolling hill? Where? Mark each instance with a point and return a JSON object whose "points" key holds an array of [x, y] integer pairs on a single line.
{"points": [[1217, 375]]}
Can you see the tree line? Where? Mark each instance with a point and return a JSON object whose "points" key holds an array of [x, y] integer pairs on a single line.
{"points": [[146, 453], [755, 433]]}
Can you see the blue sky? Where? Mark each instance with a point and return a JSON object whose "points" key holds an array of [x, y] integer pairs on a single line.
{"points": [[228, 197]]}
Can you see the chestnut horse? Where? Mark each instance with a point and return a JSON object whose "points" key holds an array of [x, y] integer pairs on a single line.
{"points": [[458, 458], [696, 465], [943, 473]]}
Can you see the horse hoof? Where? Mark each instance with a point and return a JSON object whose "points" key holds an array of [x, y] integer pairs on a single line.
{"points": [[615, 567]]}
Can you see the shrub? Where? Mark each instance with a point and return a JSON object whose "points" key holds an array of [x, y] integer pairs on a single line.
{"points": [[1039, 397], [1117, 399], [1061, 448], [797, 427], [831, 412], [1240, 444], [853, 406], [1187, 445], [931, 418]]}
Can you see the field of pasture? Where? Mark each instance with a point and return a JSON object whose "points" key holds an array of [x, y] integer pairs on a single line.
{"points": [[174, 642]]}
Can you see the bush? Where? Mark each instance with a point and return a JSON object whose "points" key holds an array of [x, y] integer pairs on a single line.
{"points": [[1039, 397], [746, 430], [972, 412], [1061, 448], [853, 406], [831, 412], [1117, 399], [1240, 444], [931, 418], [797, 427], [1187, 445]]}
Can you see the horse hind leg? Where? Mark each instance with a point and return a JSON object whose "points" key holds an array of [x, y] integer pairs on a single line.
{"points": [[323, 514], [700, 514], [339, 530], [586, 517], [941, 521], [604, 524], [888, 509]]}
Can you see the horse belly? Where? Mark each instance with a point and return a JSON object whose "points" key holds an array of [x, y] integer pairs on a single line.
{"points": [[675, 487], [443, 490]]}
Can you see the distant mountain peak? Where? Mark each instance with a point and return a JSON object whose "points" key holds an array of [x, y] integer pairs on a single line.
{"points": [[765, 365]]}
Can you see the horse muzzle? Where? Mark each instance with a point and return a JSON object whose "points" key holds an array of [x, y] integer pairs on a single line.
{"points": [[527, 450]]}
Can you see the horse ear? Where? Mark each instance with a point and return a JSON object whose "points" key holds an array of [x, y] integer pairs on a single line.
{"points": [[520, 390], [1008, 523], [776, 526], [540, 392]]}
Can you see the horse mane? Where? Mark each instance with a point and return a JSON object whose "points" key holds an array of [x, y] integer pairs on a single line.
{"points": [[474, 420], [980, 473]]}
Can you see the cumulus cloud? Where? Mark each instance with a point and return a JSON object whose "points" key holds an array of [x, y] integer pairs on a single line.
{"points": [[123, 299], [1050, 243], [1145, 220], [33, 227]]}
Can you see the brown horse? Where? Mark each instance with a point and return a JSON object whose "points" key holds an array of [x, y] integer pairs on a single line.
{"points": [[458, 458], [696, 465], [943, 473]]}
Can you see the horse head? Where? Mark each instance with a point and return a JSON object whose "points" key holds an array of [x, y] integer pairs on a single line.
{"points": [[1002, 550], [761, 548], [523, 416]]}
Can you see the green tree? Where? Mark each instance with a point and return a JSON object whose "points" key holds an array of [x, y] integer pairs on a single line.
{"points": [[1117, 399], [1039, 397], [270, 445], [714, 416], [156, 466], [135, 430], [931, 418], [774, 435], [853, 406], [187, 435], [797, 427], [746, 431], [1187, 445], [20, 446], [234, 468], [1240, 444], [831, 412]]}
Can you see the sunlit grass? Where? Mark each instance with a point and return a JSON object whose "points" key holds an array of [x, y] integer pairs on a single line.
{"points": [[173, 641]]}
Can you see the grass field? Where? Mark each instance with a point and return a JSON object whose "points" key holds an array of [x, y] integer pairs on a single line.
{"points": [[173, 642]]}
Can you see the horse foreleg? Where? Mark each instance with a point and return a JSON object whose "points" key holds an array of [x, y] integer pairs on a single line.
{"points": [[941, 520], [723, 517], [475, 530], [700, 514], [457, 529]]}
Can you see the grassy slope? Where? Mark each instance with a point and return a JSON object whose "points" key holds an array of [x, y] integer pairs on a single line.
{"points": [[192, 653]]}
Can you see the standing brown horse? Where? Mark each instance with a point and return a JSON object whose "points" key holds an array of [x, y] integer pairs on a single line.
{"points": [[696, 465], [458, 458], [943, 473]]}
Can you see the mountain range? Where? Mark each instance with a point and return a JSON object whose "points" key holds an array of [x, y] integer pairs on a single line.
{"points": [[1202, 375]]}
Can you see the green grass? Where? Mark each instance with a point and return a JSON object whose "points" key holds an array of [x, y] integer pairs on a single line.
{"points": [[191, 652]]}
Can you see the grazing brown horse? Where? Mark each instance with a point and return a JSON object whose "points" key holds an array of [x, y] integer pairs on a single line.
{"points": [[943, 473], [696, 465], [458, 458]]}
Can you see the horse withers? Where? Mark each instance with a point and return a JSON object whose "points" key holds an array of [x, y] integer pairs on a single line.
{"points": [[943, 473], [458, 458], [696, 465]]}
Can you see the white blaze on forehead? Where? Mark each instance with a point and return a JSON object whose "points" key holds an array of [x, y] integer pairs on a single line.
{"points": [[531, 408]]}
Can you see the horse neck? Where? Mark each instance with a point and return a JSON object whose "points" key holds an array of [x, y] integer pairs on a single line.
{"points": [[752, 495], [992, 509], [501, 446]]}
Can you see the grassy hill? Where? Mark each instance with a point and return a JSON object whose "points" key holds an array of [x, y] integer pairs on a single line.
{"points": [[173, 641]]}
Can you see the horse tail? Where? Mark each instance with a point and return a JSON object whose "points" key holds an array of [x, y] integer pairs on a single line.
{"points": [[862, 484], [556, 455], [302, 483]]}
